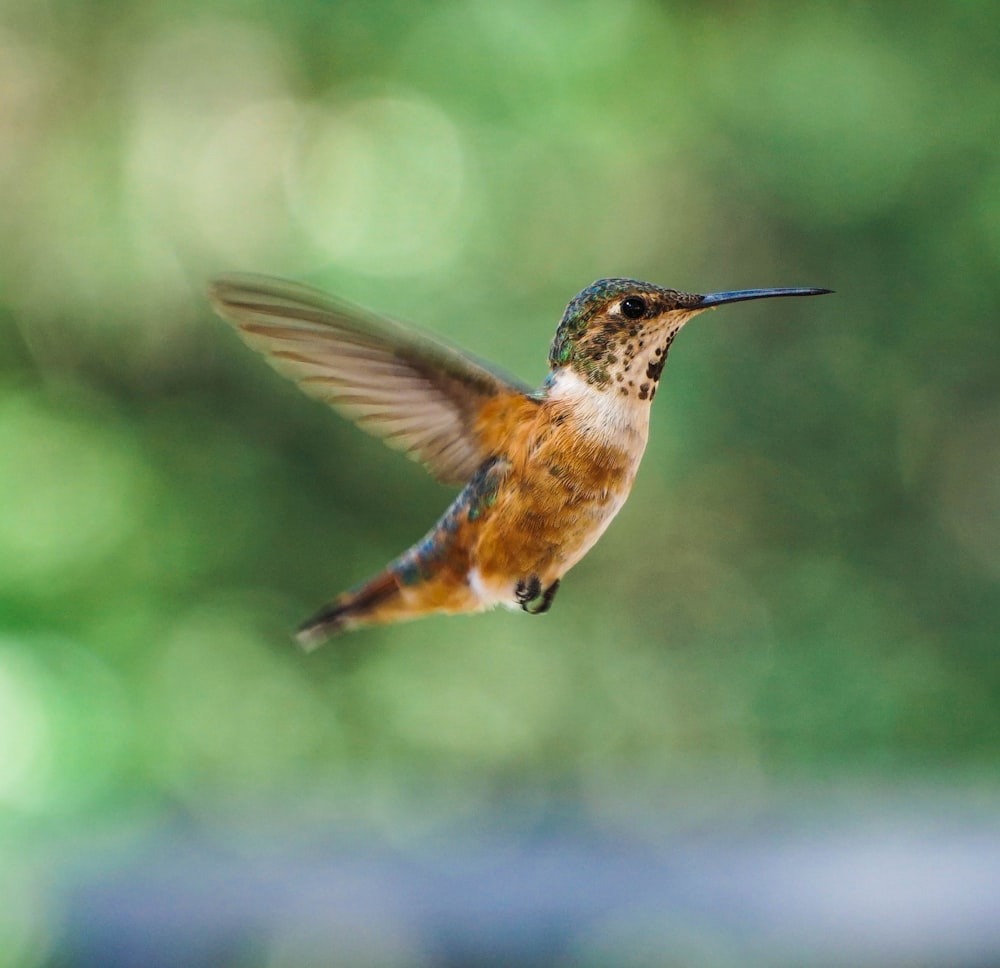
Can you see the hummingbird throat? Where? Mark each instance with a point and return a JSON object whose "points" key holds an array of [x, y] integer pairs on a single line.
{"points": [[626, 361]]}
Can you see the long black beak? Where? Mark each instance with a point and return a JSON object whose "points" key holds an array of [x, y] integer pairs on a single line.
{"points": [[739, 295]]}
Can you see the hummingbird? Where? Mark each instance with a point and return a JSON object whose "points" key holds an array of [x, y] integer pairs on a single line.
{"points": [[542, 471]]}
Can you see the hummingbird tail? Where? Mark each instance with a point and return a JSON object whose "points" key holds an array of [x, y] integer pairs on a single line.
{"points": [[348, 611]]}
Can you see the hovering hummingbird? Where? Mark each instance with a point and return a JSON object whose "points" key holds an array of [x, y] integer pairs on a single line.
{"points": [[542, 471]]}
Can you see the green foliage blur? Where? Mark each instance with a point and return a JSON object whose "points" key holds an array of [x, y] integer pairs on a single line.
{"points": [[803, 588]]}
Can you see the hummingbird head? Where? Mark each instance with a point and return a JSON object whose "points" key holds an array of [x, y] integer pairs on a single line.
{"points": [[616, 332]]}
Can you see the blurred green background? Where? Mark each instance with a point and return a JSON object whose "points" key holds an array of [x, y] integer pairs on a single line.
{"points": [[803, 588]]}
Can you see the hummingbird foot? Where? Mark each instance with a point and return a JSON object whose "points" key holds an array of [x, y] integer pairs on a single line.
{"points": [[529, 591]]}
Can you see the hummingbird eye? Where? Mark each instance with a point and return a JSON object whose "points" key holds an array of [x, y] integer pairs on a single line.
{"points": [[633, 307]]}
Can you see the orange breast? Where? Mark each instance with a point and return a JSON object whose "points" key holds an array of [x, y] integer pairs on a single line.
{"points": [[565, 482]]}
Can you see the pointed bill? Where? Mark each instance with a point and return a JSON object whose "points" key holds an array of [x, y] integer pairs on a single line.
{"points": [[417, 393], [742, 295]]}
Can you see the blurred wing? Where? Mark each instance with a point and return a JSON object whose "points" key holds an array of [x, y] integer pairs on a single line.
{"points": [[416, 393]]}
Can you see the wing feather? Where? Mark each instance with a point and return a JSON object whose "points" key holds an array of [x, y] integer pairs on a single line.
{"points": [[416, 392]]}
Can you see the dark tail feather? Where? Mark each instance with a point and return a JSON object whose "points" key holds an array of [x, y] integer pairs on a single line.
{"points": [[347, 611]]}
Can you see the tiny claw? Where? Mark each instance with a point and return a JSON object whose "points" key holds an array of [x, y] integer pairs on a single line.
{"points": [[527, 590], [546, 603]]}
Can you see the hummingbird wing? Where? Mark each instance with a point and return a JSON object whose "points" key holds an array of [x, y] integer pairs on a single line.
{"points": [[417, 393]]}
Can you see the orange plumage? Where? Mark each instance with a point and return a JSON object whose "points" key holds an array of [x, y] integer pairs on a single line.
{"points": [[544, 472]]}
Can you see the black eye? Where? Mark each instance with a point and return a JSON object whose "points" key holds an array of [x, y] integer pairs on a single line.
{"points": [[634, 307]]}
